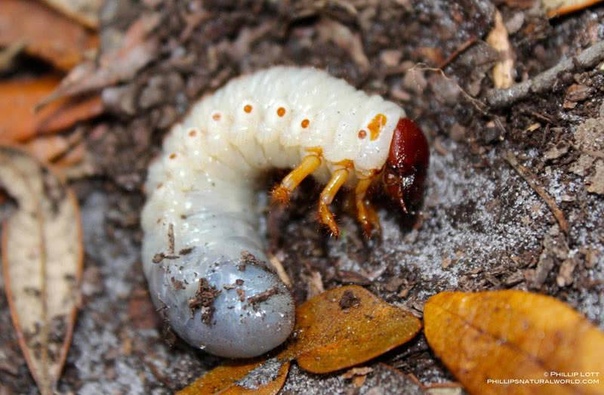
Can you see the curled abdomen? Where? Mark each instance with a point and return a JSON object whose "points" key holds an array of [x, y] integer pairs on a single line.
{"points": [[207, 272]]}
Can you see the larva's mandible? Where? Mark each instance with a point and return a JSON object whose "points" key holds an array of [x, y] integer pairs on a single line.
{"points": [[202, 253]]}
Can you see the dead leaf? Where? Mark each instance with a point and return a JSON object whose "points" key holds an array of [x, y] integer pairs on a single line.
{"points": [[85, 12], [345, 327], [343, 37], [595, 182], [18, 119], [9, 54], [46, 33], [64, 151], [42, 257], [512, 342], [337, 329], [498, 39], [134, 53], [556, 8], [260, 377]]}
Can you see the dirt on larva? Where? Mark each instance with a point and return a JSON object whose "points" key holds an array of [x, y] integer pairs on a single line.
{"points": [[515, 188]]}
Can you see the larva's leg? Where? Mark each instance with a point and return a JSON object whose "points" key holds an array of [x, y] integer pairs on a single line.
{"points": [[338, 178], [291, 181], [366, 215]]}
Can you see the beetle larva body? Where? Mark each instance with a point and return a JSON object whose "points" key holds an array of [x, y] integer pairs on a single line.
{"points": [[202, 253]]}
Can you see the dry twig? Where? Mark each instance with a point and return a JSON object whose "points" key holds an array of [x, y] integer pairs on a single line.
{"points": [[531, 179], [590, 57]]}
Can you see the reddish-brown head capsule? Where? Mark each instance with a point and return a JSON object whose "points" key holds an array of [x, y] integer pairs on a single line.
{"points": [[407, 165]]}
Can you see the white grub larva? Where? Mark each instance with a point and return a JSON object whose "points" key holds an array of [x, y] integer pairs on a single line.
{"points": [[202, 253]]}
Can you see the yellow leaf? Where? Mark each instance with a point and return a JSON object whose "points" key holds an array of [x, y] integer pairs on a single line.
{"points": [[347, 326], [337, 329], [556, 8], [260, 377], [42, 260], [515, 342]]}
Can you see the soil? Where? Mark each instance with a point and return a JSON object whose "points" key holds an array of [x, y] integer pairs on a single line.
{"points": [[514, 197]]}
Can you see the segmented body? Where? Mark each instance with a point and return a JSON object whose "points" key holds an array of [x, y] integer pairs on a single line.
{"points": [[202, 253]]}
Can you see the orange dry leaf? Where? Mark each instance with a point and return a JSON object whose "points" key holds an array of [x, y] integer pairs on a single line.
{"points": [[18, 119], [514, 342], [46, 33], [259, 377], [556, 8], [83, 11], [135, 50], [42, 256], [337, 329], [347, 326]]}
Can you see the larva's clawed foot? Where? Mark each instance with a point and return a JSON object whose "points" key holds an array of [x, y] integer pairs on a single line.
{"points": [[283, 191], [368, 219], [280, 194], [366, 215], [327, 218], [338, 178]]}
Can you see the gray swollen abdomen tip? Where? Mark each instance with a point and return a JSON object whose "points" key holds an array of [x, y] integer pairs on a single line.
{"points": [[240, 310]]}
